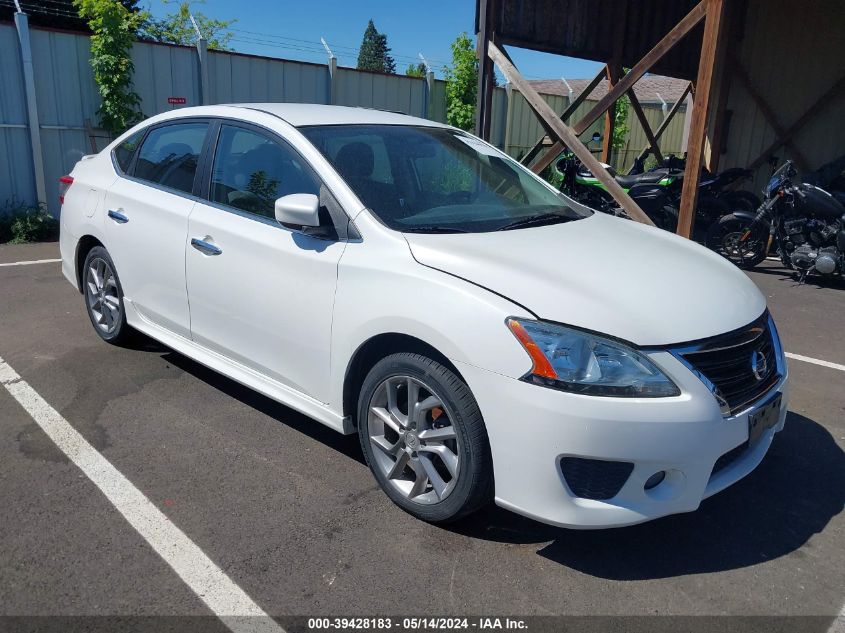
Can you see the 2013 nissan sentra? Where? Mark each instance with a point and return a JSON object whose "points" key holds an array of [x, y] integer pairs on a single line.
{"points": [[485, 336]]}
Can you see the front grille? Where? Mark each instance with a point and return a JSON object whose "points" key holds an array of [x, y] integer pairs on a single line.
{"points": [[728, 363], [595, 478]]}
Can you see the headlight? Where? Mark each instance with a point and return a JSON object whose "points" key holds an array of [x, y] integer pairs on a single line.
{"points": [[579, 362]]}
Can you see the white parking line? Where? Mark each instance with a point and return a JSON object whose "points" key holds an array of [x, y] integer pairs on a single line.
{"points": [[31, 262], [228, 601], [815, 361]]}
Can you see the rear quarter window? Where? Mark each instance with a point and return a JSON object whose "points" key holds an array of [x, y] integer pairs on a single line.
{"points": [[124, 152]]}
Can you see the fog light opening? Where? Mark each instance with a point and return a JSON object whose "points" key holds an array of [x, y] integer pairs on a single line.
{"points": [[655, 480]]}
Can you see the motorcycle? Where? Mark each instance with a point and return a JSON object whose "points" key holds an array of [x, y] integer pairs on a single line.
{"points": [[658, 191], [650, 191], [805, 223]]}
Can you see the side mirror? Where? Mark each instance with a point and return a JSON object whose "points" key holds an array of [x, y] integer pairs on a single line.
{"points": [[298, 209]]}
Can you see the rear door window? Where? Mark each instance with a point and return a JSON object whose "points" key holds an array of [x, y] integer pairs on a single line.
{"points": [[169, 155]]}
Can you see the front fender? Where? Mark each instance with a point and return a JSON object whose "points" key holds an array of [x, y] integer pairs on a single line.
{"points": [[394, 294]]}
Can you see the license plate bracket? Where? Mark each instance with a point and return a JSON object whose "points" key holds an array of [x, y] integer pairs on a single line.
{"points": [[762, 419]]}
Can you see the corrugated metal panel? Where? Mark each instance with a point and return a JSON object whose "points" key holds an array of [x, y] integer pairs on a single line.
{"points": [[244, 78], [383, 92], [17, 182], [437, 111], [162, 72], [793, 57]]}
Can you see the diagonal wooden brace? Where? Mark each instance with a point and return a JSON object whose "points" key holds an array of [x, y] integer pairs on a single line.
{"points": [[565, 134]]}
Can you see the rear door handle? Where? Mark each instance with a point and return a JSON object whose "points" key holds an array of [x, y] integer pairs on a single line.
{"points": [[118, 217], [205, 247]]}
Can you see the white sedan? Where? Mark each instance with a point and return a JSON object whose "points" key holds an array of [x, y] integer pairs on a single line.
{"points": [[485, 336]]}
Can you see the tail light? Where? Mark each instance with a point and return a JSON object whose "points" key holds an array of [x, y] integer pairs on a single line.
{"points": [[64, 184]]}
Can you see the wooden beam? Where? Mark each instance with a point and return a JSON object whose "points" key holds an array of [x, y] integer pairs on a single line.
{"points": [[666, 121], [698, 124], [613, 71], [793, 129], [768, 113], [652, 139], [570, 109], [644, 65], [484, 95], [566, 135]]}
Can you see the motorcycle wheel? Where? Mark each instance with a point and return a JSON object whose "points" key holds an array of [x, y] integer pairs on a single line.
{"points": [[724, 237], [666, 218], [742, 201]]}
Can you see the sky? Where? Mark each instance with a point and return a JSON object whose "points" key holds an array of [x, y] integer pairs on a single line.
{"points": [[293, 28]]}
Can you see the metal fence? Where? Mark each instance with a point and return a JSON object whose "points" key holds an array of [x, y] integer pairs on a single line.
{"points": [[67, 100]]}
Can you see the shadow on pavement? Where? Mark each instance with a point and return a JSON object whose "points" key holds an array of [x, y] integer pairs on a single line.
{"points": [[791, 496], [345, 444]]}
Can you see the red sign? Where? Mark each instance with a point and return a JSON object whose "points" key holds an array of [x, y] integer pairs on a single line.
{"points": [[177, 100]]}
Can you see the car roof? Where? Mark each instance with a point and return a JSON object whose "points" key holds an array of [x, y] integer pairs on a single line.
{"points": [[302, 114]]}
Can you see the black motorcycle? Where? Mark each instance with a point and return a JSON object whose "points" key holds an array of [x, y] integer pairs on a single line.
{"points": [[805, 223]]}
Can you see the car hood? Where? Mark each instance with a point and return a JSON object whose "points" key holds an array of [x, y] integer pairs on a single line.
{"points": [[605, 274]]}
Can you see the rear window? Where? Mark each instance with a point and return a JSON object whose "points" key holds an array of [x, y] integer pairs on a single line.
{"points": [[169, 155]]}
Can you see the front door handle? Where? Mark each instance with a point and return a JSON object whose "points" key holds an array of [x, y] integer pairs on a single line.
{"points": [[205, 247], [118, 216]]}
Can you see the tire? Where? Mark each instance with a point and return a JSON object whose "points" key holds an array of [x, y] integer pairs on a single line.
{"points": [[666, 218], [445, 472], [103, 296], [742, 201], [724, 238]]}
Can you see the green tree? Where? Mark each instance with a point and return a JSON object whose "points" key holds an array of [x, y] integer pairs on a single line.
{"points": [[176, 27], [113, 31], [416, 70], [374, 53], [461, 83]]}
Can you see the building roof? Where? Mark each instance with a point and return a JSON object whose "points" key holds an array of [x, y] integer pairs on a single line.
{"points": [[647, 88]]}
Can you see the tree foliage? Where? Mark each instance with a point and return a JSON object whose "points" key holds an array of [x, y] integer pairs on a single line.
{"points": [[374, 54], [620, 123], [416, 70], [176, 27], [113, 31], [57, 14], [461, 83]]}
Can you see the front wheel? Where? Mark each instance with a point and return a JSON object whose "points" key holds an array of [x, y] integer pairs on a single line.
{"points": [[424, 438], [734, 238]]}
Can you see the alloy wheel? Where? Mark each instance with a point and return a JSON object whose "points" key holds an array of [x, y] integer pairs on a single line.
{"points": [[414, 443], [102, 295]]}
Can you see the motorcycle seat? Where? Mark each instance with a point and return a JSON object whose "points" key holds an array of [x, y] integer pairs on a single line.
{"points": [[647, 178]]}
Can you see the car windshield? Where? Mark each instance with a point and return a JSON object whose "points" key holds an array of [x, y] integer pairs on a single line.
{"points": [[437, 180]]}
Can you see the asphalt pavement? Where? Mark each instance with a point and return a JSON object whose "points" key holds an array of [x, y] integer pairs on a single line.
{"points": [[288, 510]]}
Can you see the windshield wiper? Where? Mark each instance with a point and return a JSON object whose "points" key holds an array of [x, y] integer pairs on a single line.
{"points": [[535, 220], [432, 229]]}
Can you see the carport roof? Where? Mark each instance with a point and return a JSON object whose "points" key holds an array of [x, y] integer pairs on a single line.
{"points": [[599, 30]]}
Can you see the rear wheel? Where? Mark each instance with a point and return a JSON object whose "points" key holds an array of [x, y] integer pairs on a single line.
{"points": [[424, 438], [104, 297], [733, 238]]}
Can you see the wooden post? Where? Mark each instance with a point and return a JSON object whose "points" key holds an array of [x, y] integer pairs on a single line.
{"points": [[483, 110], [566, 135], [698, 124], [612, 71], [644, 65]]}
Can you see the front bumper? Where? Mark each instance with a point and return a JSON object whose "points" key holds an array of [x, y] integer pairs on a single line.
{"points": [[531, 428]]}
